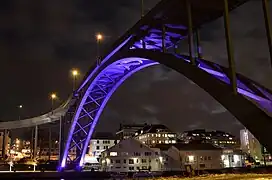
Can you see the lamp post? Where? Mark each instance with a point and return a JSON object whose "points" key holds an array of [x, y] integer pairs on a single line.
{"points": [[99, 38], [142, 8], [53, 98], [20, 107], [75, 73]]}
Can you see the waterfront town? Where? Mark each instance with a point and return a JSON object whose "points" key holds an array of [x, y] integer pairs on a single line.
{"points": [[149, 147]]}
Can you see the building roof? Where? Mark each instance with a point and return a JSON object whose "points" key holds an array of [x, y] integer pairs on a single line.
{"points": [[154, 128], [104, 135], [163, 147], [204, 132], [196, 146]]}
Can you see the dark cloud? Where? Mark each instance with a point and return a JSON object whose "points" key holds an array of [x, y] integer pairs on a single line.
{"points": [[42, 40]]}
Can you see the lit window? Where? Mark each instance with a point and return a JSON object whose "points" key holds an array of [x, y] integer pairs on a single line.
{"points": [[160, 142], [159, 135], [153, 141], [113, 153], [191, 158], [173, 141], [166, 141]]}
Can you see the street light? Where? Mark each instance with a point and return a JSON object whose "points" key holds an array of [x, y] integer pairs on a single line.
{"points": [[99, 38], [53, 97], [75, 73]]}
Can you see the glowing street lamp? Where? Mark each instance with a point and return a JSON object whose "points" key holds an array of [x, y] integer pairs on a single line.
{"points": [[99, 38], [75, 73], [53, 96], [20, 107]]}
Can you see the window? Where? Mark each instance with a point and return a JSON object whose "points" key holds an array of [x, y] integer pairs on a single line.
{"points": [[143, 160], [131, 168], [137, 154], [130, 161], [117, 161], [113, 153], [202, 165], [147, 153], [156, 153], [125, 161], [209, 158], [97, 147], [144, 167]]}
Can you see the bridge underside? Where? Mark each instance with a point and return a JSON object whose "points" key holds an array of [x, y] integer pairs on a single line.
{"points": [[205, 74], [155, 40]]}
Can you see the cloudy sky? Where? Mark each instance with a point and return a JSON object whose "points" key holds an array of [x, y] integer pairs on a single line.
{"points": [[42, 40]]}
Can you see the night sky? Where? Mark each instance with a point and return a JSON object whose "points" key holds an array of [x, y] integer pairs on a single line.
{"points": [[40, 41]]}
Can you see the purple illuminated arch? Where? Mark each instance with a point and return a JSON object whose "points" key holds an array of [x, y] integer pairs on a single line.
{"points": [[207, 75], [94, 101]]}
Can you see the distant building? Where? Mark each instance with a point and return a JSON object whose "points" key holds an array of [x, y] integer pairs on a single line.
{"points": [[131, 155], [151, 135], [128, 130], [100, 142], [217, 138], [4, 142], [232, 158], [251, 146]]}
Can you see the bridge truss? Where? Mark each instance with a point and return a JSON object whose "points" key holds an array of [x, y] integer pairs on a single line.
{"points": [[159, 34]]}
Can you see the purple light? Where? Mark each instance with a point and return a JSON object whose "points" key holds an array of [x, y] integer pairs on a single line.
{"points": [[103, 61], [150, 63], [123, 68]]}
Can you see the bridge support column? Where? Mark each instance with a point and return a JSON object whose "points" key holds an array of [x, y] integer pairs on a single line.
{"points": [[163, 38], [35, 142], [60, 139], [49, 143], [190, 31], [198, 48], [229, 47], [267, 27], [4, 144], [143, 44]]}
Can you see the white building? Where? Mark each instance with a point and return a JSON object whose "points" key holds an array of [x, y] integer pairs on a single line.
{"points": [[4, 142], [232, 158], [202, 156], [128, 130], [99, 143], [250, 145], [156, 134], [130, 156]]}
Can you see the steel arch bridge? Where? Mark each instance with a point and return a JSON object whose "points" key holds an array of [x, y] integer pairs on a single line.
{"points": [[155, 40]]}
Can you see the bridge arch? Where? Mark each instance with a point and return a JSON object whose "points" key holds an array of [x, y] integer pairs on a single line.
{"points": [[117, 69]]}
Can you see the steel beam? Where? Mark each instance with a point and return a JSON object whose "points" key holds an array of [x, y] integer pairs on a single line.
{"points": [[190, 31], [35, 142], [229, 47], [60, 139], [163, 38], [267, 27], [198, 48], [4, 144], [49, 143]]}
